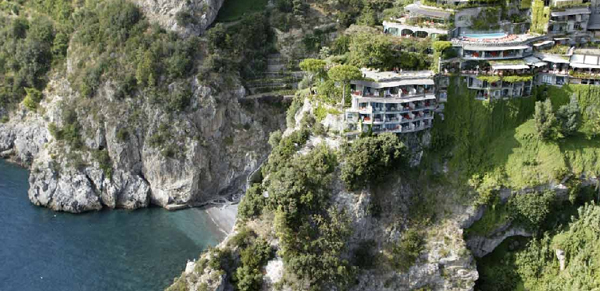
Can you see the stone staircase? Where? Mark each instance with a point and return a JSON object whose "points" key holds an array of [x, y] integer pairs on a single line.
{"points": [[278, 77]]}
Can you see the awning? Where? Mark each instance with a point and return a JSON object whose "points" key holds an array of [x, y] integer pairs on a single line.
{"points": [[584, 66], [509, 67], [494, 48], [573, 11], [552, 59], [533, 61], [543, 43]]}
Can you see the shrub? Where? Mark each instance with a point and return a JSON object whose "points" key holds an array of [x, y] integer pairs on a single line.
{"points": [[530, 210], [122, 134], [183, 18], [253, 258], [441, 46], [569, 118], [275, 138], [105, 162], [368, 158], [252, 203], [407, 251]]}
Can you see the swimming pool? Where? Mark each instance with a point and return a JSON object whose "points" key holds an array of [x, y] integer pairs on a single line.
{"points": [[486, 35]]}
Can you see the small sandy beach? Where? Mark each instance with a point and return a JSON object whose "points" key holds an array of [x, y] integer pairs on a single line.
{"points": [[223, 217]]}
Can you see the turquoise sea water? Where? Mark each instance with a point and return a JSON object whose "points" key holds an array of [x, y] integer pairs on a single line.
{"points": [[107, 250], [486, 35]]}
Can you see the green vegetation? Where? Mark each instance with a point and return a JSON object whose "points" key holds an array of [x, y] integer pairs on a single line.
{"points": [[408, 249], [487, 19], [240, 48], [344, 74], [368, 50], [537, 264], [497, 214], [252, 203], [545, 120], [495, 144], [530, 210], [26, 55], [233, 10], [517, 79], [70, 131], [254, 254], [540, 15], [369, 158], [489, 79], [313, 67], [534, 265], [32, 99]]}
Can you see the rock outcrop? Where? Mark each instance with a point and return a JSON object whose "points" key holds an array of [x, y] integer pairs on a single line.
{"points": [[205, 154], [190, 17], [483, 245]]}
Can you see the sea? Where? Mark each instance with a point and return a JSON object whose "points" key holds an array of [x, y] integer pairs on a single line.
{"points": [[105, 250]]}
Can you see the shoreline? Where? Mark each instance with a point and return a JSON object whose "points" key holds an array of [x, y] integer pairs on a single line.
{"points": [[223, 217]]}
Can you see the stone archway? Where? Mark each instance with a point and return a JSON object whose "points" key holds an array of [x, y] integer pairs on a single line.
{"points": [[421, 34], [407, 32]]}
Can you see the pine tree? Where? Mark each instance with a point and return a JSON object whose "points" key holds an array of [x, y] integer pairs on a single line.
{"points": [[569, 118], [545, 120]]}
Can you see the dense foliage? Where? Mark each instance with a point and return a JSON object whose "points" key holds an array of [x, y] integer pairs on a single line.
{"points": [[26, 55], [368, 159], [545, 120]]}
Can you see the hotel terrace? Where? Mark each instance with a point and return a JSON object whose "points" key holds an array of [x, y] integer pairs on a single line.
{"points": [[500, 64], [397, 102]]}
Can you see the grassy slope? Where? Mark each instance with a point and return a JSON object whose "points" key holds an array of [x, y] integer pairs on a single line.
{"points": [[233, 10], [498, 138]]}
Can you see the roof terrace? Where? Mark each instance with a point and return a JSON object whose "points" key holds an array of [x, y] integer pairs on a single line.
{"points": [[388, 76], [509, 41]]}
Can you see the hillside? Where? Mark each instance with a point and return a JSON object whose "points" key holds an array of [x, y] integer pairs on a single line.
{"points": [[380, 144], [111, 110]]}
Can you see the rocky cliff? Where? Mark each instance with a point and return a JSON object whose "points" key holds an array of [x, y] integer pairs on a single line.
{"points": [[115, 150], [219, 141], [185, 17]]}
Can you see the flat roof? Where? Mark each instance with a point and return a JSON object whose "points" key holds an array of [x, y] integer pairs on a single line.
{"points": [[431, 12], [552, 58], [381, 76], [543, 43], [533, 61], [572, 11], [585, 61], [584, 66], [588, 51]]}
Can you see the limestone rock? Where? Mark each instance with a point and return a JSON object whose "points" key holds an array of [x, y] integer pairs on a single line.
{"points": [[483, 245], [200, 13]]}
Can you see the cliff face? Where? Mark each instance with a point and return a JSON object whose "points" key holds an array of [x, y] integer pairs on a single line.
{"points": [[444, 263], [185, 17], [220, 143], [117, 151]]}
